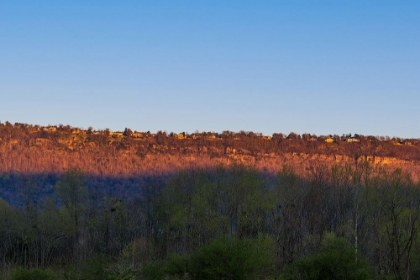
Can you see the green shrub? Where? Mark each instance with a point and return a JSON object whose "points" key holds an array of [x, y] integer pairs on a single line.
{"points": [[95, 269], [98, 268], [33, 274], [177, 266], [154, 271], [336, 260], [234, 259]]}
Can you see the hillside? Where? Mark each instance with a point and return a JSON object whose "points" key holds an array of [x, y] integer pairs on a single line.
{"points": [[28, 148], [131, 204]]}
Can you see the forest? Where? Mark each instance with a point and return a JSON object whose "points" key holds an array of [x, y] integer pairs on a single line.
{"points": [[232, 222], [33, 149], [97, 204]]}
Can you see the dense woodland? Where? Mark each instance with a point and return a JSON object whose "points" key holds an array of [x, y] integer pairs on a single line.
{"points": [[85, 204], [230, 223]]}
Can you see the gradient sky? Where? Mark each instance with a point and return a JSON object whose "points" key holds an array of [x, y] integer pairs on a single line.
{"points": [[265, 66]]}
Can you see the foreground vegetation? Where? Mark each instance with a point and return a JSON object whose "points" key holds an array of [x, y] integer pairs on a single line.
{"points": [[226, 223]]}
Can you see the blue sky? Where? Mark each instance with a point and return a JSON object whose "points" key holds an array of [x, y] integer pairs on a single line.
{"points": [[264, 66]]}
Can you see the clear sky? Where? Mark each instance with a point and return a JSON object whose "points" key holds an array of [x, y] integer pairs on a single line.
{"points": [[342, 66]]}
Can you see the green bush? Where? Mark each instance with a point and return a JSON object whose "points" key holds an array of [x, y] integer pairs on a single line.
{"points": [[33, 274], [97, 268], [154, 271], [234, 259], [336, 260], [177, 266]]}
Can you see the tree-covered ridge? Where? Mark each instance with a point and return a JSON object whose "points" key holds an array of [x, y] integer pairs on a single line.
{"points": [[362, 223], [34, 149], [68, 135]]}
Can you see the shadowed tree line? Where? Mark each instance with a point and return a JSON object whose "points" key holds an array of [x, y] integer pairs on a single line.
{"points": [[20, 189], [228, 223]]}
